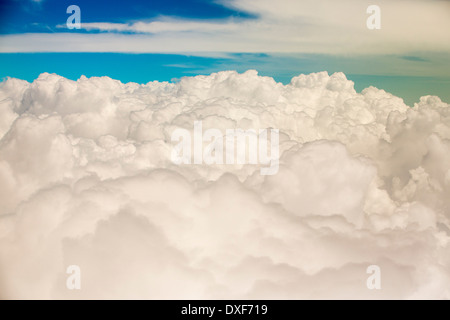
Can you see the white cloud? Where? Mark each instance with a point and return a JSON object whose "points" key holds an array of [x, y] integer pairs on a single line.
{"points": [[319, 26], [163, 25], [86, 179], [103, 26]]}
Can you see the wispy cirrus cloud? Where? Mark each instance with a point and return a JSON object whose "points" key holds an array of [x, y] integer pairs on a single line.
{"points": [[327, 27], [414, 59], [162, 25]]}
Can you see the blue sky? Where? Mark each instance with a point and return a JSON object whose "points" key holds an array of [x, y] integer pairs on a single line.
{"points": [[142, 41], [42, 16]]}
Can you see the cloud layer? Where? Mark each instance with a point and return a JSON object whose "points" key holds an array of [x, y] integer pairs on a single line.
{"points": [[290, 26], [86, 179]]}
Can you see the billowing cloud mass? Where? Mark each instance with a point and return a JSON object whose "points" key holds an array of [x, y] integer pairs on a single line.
{"points": [[86, 179]]}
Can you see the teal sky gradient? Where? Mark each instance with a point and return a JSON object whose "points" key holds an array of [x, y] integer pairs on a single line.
{"points": [[407, 77]]}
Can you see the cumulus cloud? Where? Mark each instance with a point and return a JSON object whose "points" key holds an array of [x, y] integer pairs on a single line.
{"points": [[86, 179]]}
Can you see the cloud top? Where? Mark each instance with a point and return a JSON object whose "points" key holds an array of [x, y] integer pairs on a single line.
{"points": [[86, 179]]}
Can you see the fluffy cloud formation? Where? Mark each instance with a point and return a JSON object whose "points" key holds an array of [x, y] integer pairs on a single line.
{"points": [[86, 179]]}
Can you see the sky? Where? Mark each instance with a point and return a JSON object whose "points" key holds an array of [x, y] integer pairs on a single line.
{"points": [[141, 41], [90, 145]]}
